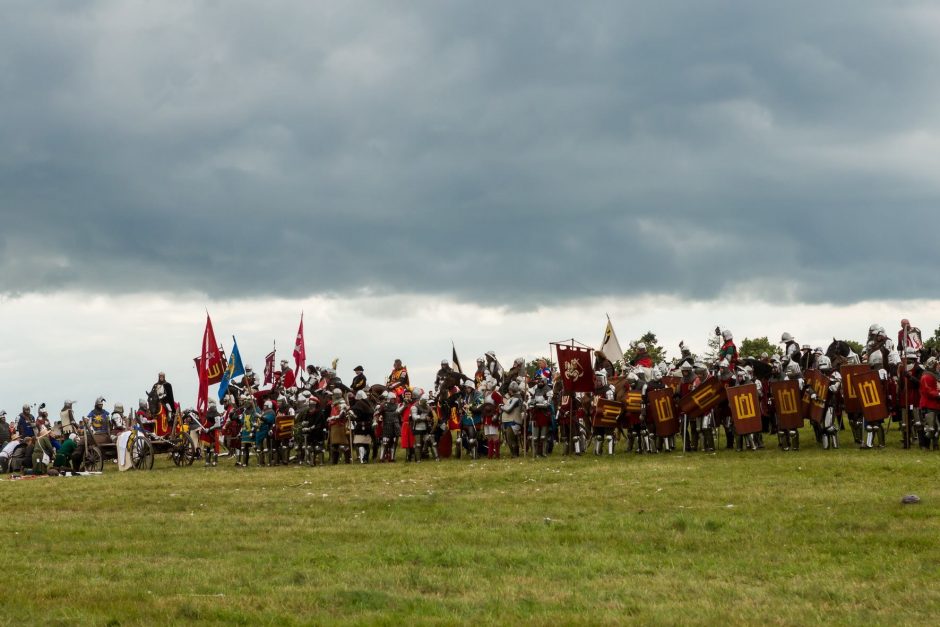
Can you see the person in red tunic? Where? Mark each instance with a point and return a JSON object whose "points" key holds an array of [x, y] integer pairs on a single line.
{"points": [[642, 358], [407, 435], [930, 402], [288, 380]]}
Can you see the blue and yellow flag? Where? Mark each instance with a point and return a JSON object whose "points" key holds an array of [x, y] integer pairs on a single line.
{"points": [[234, 369]]}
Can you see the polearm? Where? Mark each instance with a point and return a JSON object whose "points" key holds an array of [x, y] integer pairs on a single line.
{"points": [[905, 412]]}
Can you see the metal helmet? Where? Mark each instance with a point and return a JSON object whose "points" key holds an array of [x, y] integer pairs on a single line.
{"points": [[99, 402], [518, 361], [361, 395], [480, 361], [686, 366], [119, 408], [931, 363], [818, 350], [268, 405], [793, 370], [600, 378], [444, 363], [657, 374], [26, 406], [724, 363], [389, 396], [727, 335], [142, 403], [641, 347], [786, 337], [824, 363]]}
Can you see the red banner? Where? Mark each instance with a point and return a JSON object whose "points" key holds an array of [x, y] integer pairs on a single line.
{"points": [[300, 352], [574, 364], [269, 369], [209, 368]]}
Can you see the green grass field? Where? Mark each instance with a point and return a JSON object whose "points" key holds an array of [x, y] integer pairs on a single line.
{"points": [[760, 537]]}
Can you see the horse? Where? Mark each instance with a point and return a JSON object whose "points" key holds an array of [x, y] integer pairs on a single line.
{"points": [[840, 352]]}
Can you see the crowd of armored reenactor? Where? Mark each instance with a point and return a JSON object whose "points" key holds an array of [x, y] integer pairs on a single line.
{"points": [[317, 418]]}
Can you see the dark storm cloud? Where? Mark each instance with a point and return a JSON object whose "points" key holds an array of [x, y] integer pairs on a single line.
{"points": [[485, 150]]}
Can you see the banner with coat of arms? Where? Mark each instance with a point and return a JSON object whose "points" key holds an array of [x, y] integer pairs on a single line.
{"points": [[574, 365]]}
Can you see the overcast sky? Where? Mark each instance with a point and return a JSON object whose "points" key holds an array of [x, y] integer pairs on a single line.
{"points": [[502, 174]]}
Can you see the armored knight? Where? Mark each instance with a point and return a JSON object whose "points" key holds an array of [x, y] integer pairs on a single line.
{"points": [[540, 415]]}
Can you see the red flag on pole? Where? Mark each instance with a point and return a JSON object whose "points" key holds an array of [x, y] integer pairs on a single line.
{"points": [[269, 369], [210, 366], [300, 353], [574, 363]]}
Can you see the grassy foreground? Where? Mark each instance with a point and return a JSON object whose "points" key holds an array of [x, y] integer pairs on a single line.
{"points": [[760, 537]]}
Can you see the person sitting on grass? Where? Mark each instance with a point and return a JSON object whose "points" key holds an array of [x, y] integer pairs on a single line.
{"points": [[69, 456], [7, 452], [43, 452], [21, 455]]}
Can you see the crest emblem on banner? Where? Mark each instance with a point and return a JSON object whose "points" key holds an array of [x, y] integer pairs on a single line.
{"points": [[573, 370], [575, 363]]}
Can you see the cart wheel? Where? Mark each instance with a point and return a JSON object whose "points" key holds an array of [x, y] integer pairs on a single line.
{"points": [[142, 454], [93, 462], [184, 453]]}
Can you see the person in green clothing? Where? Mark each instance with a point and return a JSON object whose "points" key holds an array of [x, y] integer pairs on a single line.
{"points": [[43, 452], [67, 456]]}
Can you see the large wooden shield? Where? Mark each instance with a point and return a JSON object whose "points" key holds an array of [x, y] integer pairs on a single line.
{"points": [[786, 396], [745, 408], [819, 383], [283, 427], [849, 372], [703, 399], [633, 407], [606, 413], [445, 446], [673, 383], [664, 412], [634, 402], [871, 395]]}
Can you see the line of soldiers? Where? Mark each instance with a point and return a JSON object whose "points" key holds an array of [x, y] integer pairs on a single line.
{"points": [[317, 417]]}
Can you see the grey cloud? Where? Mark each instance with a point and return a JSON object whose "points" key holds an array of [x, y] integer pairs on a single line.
{"points": [[527, 152]]}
